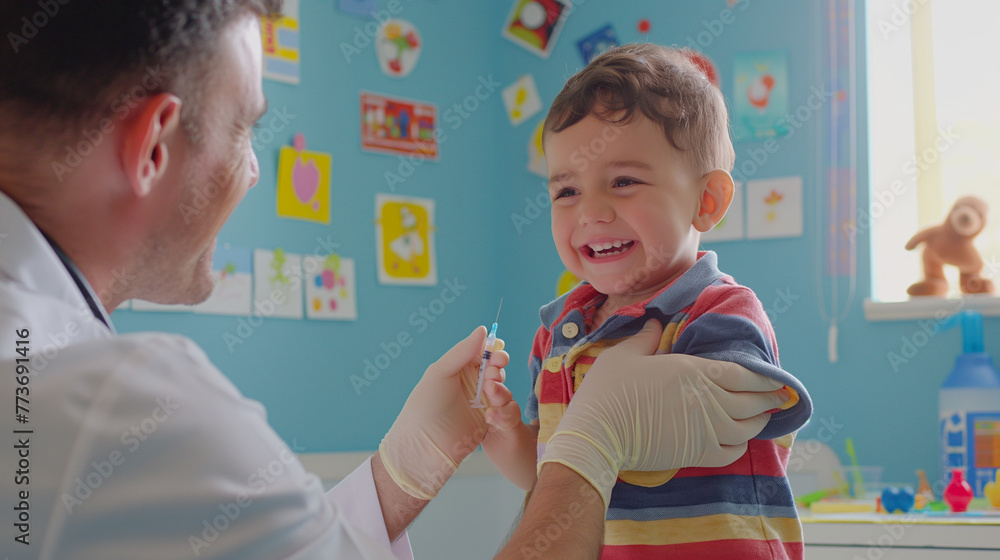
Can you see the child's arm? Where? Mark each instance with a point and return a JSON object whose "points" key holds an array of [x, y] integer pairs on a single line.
{"points": [[510, 443]]}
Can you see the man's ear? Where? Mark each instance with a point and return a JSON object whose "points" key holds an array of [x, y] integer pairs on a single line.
{"points": [[146, 136], [716, 196]]}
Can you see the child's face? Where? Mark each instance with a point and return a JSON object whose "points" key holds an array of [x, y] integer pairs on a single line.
{"points": [[623, 205]]}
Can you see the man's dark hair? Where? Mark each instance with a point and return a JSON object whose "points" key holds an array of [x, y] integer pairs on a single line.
{"points": [[67, 64]]}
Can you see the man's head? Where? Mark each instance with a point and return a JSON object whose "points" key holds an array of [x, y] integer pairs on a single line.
{"points": [[638, 152], [127, 131]]}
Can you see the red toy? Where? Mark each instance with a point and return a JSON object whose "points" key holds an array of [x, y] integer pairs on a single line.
{"points": [[958, 494]]}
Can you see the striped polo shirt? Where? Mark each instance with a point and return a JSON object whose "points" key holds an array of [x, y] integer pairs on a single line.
{"points": [[744, 510]]}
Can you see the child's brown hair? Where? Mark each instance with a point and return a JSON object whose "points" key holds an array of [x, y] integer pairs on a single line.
{"points": [[665, 86]]}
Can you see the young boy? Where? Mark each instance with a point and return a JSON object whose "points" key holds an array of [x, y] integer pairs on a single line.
{"points": [[638, 151]]}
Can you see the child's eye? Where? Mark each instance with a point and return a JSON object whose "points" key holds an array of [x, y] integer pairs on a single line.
{"points": [[624, 182], [564, 192]]}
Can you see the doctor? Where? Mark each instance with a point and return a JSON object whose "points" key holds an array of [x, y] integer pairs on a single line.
{"points": [[117, 121]]}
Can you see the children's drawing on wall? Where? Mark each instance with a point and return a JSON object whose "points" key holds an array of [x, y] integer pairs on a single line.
{"points": [[566, 282], [774, 208], [535, 24], [730, 228], [281, 44], [536, 156], [760, 96], [330, 288], [398, 46], [232, 269], [303, 183], [277, 284], [405, 240], [597, 42], [521, 100], [398, 126]]}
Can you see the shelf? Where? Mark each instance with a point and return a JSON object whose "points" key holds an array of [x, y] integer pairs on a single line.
{"points": [[930, 308]]}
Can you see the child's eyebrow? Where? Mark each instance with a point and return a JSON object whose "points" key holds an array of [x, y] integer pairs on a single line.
{"points": [[560, 177], [631, 163]]}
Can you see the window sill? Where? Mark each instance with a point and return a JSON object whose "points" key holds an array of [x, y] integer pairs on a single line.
{"points": [[930, 307]]}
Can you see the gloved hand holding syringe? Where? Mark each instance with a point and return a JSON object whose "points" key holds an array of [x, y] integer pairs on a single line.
{"points": [[487, 352]]}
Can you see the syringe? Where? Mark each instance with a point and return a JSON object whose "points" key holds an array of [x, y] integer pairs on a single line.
{"points": [[490, 342]]}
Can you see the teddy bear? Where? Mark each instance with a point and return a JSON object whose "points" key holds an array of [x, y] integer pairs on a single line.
{"points": [[951, 243]]}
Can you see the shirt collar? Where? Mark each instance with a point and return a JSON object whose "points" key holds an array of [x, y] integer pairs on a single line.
{"points": [[81, 283]]}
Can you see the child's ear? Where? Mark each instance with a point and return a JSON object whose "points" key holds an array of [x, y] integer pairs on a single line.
{"points": [[716, 196]]}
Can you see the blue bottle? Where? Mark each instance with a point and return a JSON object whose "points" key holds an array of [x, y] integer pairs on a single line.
{"points": [[969, 411]]}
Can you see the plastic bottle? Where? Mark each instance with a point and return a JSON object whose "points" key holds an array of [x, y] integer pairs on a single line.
{"points": [[969, 410]]}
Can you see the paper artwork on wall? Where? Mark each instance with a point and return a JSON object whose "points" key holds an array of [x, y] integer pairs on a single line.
{"points": [[597, 42], [277, 284], [397, 47], [730, 228], [774, 208], [760, 95], [535, 24], [521, 100], [281, 44], [404, 230], [331, 292], [398, 126], [303, 183], [536, 157], [232, 270], [358, 7]]}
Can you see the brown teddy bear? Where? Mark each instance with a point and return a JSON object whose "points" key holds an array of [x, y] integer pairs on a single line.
{"points": [[951, 243]]}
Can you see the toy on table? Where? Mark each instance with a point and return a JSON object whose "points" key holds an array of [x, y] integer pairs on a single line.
{"points": [[992, 491], [925, 495], [958, 494], [859, 482], [898, 499], [951, 243]]}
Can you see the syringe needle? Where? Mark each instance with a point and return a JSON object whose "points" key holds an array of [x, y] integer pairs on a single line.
{"points": [[487, 352]]}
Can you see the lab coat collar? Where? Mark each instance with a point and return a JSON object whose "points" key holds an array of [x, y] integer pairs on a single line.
{"points": [[27, 258]]}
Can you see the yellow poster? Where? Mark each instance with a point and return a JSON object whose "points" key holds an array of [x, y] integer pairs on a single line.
{"points": [[405, 240], [303, 183]]}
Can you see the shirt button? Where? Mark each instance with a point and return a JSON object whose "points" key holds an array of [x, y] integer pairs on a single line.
{"points": [[554, 364], [570, 330]]}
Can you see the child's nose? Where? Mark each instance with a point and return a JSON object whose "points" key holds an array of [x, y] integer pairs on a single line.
{"points": [[595, 209]]}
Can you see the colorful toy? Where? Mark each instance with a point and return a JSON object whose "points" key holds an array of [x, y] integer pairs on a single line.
{"points": [[924, 489], [898, 499], [992, 491], [958, 494], [951, 243]]}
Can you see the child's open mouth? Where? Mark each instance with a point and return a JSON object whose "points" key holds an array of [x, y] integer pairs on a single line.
{"points": [[609, 249]]}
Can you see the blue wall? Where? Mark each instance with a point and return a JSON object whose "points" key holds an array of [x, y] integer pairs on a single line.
{"points": [[300, 370]]}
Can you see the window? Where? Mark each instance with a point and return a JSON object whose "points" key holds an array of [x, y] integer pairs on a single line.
{"points": [[934, 116]]}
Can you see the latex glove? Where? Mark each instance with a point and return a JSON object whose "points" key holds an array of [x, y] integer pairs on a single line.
{"points": [[437, 428], [635, 411]]}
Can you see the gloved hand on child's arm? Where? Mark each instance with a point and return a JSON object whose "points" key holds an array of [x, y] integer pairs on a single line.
{"points": [[629, 415]]}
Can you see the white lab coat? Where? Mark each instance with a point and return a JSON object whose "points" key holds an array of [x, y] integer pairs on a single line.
{"points": [[139, 448]]}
